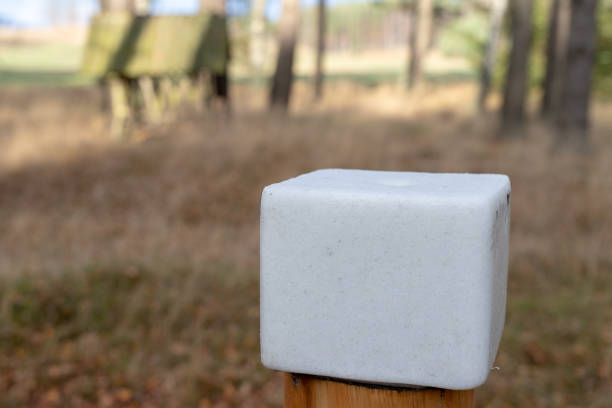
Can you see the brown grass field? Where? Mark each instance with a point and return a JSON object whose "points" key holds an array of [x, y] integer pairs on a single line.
{"points": [[129, 270]]}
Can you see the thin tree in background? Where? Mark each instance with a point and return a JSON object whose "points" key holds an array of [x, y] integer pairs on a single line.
{"points": [[141, 6], [109, 6], [573, 118], [257, 30], [283, 75], [420, 32], [515, 91], [219, 81], [213, 6], [321, 30], [136, 7], [556, 55], [498, 8]]}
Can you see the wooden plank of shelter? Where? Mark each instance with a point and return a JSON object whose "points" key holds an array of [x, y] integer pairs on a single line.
{"points": [[150, 99], [120, 106], [169, 45]]}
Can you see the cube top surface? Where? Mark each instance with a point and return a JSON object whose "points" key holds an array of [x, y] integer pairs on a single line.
{"points": [[385, 277], [407, 184]]}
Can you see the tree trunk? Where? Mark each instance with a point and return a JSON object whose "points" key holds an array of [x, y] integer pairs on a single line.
{"points": [[257, 48], [420, 31], [219, 83], [110, 6], [573, 119], [515, 92], [321, 30], [137, 7], [283, 76], [213, 6], [556, 54], [498, 8], [140, 7]]}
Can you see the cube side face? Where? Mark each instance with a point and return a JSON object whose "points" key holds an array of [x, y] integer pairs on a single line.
{"points": [[500, 249], [378, 288]]}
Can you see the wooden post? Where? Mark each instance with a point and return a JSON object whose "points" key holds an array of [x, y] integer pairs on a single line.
{"points": [[316, 392], [120, 106], [150, 99]]}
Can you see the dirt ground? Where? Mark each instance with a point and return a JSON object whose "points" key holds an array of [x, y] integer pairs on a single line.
{"points": [[130, 268]]}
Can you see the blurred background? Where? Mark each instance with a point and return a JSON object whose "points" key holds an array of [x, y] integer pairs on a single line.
{"points": [[136, 137]]}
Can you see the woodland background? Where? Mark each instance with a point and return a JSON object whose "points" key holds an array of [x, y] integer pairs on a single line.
{"points": [[129, 266]]}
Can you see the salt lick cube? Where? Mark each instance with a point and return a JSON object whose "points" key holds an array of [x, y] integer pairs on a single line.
{"points": [[385, 277]]}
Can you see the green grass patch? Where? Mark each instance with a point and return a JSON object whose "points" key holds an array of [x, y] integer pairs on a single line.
{"points": [[372, 78], [42, 65], [43, 57], [44, 78]]}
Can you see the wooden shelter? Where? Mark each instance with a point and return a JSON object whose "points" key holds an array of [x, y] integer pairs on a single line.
{"points": [[146, 60]]}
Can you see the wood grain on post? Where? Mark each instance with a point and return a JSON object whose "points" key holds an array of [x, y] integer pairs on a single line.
{"points": [[305, 391]]}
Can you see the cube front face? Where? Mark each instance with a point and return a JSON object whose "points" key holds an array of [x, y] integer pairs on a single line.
{"points": [[395, 278]]}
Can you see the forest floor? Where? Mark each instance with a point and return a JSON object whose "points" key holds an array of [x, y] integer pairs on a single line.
{"points": [[129, 269]]}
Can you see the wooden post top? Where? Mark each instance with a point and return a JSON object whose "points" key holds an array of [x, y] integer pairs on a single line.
{"points": [[316, 392]]}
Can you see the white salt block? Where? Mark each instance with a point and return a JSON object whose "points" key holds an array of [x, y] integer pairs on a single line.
{"points": [[385, 277]]}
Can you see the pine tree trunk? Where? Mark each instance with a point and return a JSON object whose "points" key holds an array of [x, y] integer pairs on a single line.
{"points": [[283, 75], [219, 83], [498, 8], [213, 6], [111, 6], [137, 7], [257, 35], [140, 7], [321, 30], [556, 54], [515, 92], [420, 31], [573, 118]]}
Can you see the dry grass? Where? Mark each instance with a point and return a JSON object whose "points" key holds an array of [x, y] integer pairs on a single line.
{"points": [[130, 269]]}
